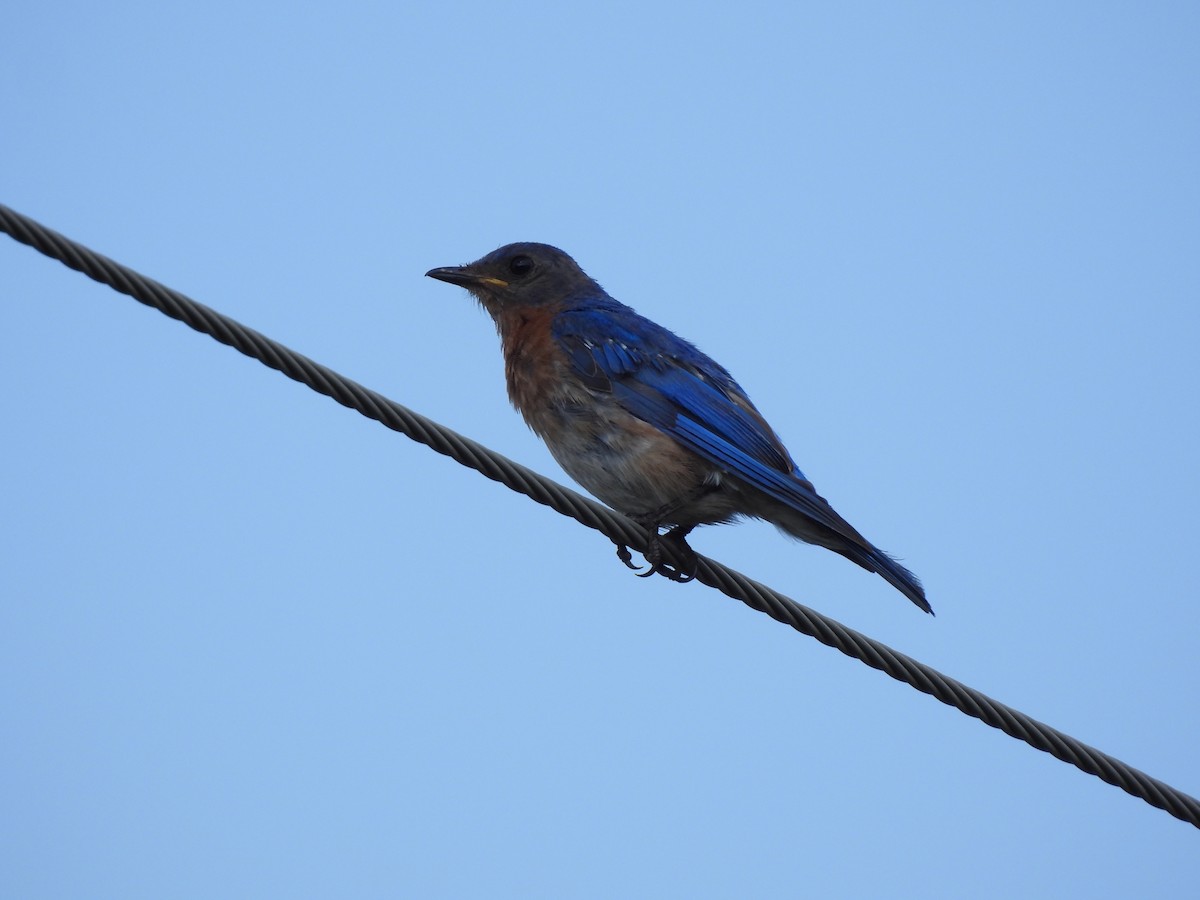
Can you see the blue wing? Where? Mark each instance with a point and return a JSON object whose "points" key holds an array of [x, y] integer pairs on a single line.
{"points": [[667, 382]]}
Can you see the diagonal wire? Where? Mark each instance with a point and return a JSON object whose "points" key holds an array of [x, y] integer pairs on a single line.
{"points": [[617, 527]]}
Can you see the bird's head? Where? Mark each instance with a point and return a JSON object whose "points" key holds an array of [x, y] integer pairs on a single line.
{"points": [[517, 276]]}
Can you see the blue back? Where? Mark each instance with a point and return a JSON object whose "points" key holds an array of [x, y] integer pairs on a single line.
{"points": [[667, 382]]}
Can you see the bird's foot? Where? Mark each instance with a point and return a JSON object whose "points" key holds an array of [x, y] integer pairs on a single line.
{"points": [[676, 538]]}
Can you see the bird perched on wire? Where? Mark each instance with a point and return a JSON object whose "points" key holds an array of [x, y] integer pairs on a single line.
{"points": [[644, 420]]}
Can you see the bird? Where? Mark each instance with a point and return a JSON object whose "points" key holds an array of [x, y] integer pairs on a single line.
{"points": [[643, 419]]}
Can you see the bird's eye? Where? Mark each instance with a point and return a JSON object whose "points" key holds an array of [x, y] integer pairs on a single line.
{"points": [[520, 265]]}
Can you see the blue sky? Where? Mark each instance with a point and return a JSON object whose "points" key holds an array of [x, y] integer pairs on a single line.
{"points": [[252, 644]]}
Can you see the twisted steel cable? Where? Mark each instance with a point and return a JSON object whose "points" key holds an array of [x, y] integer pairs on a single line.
{"points": [[615, 526]]}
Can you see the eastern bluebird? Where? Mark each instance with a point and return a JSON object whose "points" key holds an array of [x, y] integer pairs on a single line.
{"points": [[643, 419]]}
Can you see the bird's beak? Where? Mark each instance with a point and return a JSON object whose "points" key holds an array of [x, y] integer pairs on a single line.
{"points": [[461, 275]]}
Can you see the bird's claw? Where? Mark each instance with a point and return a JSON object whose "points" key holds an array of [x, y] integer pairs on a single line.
{"points": [[626, 557], [654, 556]]}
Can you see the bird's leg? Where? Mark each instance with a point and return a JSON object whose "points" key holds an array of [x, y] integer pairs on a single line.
{"points": [[654, 555], [676, 537]]}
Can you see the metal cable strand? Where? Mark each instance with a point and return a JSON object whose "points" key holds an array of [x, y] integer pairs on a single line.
{"points": [[615, 526]]}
